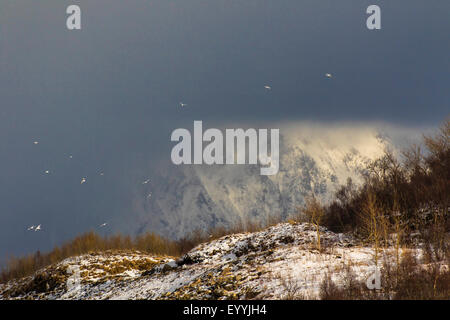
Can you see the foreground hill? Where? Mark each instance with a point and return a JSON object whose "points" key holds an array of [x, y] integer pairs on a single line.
{"points": [[280, 262]]}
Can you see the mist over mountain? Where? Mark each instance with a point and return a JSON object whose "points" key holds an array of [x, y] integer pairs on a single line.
{"points": [[314, 158]]}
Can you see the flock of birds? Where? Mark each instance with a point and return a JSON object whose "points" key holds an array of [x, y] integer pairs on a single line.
{"points": [[39, 228], [84, 179]]}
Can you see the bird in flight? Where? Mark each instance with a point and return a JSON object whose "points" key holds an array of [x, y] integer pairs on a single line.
{"points": [[103, 225], [328, 75], [31, 228], [268, 87], [47, 171], [183, 104], [102, 174], [146, 181], [37, 228], [83, 180], [36, 142], [149, 195]]}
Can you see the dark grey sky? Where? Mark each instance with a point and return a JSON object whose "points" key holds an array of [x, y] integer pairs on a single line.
{"points": [[109, 94]]}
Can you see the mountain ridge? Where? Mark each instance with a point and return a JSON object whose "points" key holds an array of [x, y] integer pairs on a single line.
{"points": [[201, 197]]}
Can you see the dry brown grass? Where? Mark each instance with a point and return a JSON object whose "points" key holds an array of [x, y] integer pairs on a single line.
{"points": [[87, 243], [410, 280], [147, 243]]}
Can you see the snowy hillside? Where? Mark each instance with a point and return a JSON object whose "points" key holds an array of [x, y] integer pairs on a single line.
{"points": [[275, 263]]}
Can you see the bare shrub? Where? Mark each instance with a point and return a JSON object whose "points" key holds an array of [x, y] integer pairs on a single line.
{"points": [[314, 211], [291, 288]]}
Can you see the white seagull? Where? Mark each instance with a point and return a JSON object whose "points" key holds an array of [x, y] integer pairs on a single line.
{"points": [[146, 181], [268, 87], [47, 171], [83, 180], [149, 195], [37, 228], [183, 104], [103, 225], [36, 142], [31, 228], [328, 75]]}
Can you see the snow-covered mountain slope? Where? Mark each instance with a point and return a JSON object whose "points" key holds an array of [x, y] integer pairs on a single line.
{"points": [[275, 263], [312, 160]]}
